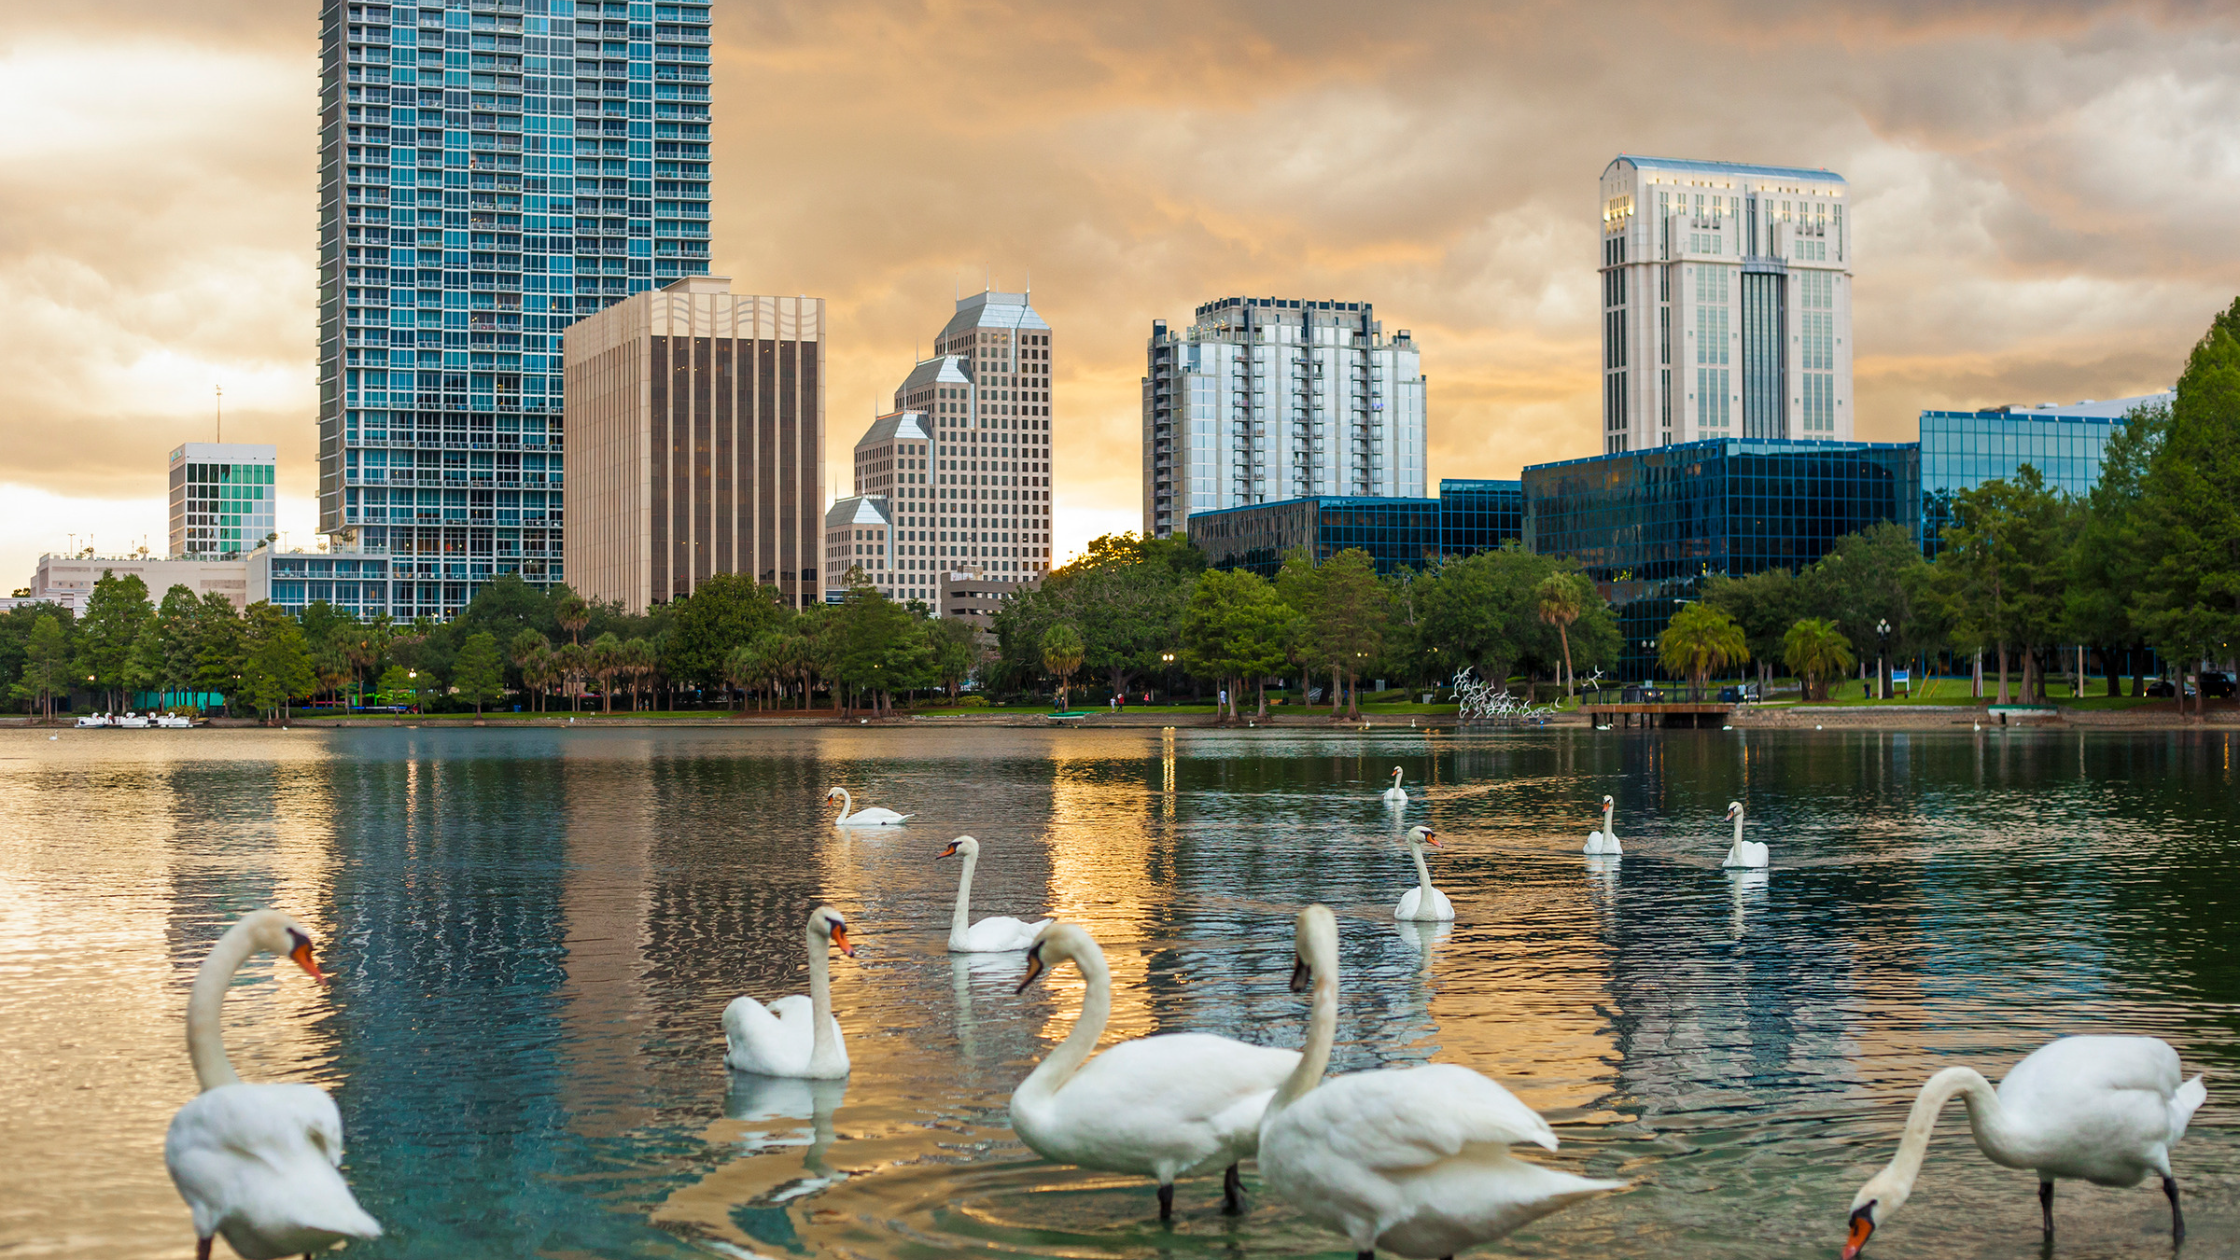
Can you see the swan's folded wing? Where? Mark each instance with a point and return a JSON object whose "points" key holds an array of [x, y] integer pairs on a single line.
{"points": [[1001, 932], [2080, 1065], [1410, 1117], [1196, 1075]]}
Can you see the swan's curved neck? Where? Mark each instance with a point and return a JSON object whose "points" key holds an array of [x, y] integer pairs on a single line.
{"points": [[1738, 827], [206, 1043], [960, 919], [1985, 1119], [1607, 829], [847, 805], [1096, 1007], [1423, 871], [821, 1047], [1322, 1029]]}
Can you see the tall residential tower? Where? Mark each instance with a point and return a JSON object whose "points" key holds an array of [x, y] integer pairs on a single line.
{"points": [[490, 172], [1726, 303], [1268, 399]]}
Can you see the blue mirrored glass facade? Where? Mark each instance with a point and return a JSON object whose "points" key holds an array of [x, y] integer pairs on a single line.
{"points": [[1399, 533], [490, 171], [1467, 517], [1963, 449], [1649, 525], [1479, 516]]}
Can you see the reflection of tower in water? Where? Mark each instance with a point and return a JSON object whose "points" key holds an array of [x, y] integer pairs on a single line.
{"points": [[1105, 868]]}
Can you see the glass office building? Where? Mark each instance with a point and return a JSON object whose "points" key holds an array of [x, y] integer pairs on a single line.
{"points": [[1963, 449], [490, 171], [1399, 533], [1479, 516], [222, 497], [1649, 525], [1467, 517]]}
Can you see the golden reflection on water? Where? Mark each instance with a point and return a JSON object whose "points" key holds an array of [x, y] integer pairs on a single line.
{"points": [[1653, 1005], [1102, 855]]}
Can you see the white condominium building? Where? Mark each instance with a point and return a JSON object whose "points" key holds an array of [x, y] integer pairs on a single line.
{"points": [[1266, 399], [1726, 303]]}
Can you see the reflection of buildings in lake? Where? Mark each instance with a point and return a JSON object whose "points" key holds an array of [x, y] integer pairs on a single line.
{"points": [[605, 903], [1111, 874]]}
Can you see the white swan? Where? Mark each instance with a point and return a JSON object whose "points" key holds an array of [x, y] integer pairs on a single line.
{"points": [[1413, 1160], [850, 816], [1161, 1107], [1745, 853], [1423, 902], [257, 1163], [994, 935], [2101, 1109], [794, 1036], [1396, 795], [1605, 840]]}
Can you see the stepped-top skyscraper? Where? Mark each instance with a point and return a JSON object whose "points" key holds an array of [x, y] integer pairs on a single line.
{"points": [[1726, 302], [1267, 399], [490, 171]]}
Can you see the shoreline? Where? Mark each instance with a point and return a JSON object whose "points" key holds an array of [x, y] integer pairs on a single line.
{"points": [[1889, 718]]}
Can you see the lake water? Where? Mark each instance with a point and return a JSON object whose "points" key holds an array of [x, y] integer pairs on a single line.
{"points": [[534, 934]]}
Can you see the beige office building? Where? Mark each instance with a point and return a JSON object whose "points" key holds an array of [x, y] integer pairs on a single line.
{"points": [[695, 444]]}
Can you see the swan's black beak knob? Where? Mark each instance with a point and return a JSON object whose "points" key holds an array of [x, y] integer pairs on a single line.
{"points": [[1862, 1228], [1301, 974], [1034, 968]]}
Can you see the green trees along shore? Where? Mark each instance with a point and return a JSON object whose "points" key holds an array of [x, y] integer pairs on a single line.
{"points": [[2025, 579]]}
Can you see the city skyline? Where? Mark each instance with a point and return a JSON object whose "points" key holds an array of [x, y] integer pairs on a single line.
{"points": [[2022, 245]]}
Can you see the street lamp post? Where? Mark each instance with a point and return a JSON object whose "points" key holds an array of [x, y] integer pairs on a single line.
{"points": [[1166, 660], [1882, 654]]}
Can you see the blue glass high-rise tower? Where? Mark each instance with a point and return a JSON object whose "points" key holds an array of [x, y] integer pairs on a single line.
{"points": [[490, 172]]}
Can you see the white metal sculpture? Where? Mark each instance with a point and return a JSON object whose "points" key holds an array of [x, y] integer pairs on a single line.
{"points": [[1478, 701]]}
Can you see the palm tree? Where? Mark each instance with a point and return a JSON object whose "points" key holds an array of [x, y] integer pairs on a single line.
{"points": [[639, 661], [1817, 651], [605, 660], [1699, 640], [746, 665], [573, 612], [1062, 651], [1560, 598], [531, 654], [572, 661]]}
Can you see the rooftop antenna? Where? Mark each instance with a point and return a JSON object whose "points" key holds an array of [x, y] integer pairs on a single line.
{"points": [[221, 392]]}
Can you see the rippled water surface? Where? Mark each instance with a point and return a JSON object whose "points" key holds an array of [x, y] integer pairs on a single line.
{"points": [[535, 932]]}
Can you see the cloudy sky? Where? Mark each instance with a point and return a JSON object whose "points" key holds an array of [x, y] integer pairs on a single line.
{"points": [[2042, 194]]}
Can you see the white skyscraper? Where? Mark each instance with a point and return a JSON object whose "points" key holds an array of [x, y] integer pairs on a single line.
{"points": [[1267, 399], [1726, 303]]}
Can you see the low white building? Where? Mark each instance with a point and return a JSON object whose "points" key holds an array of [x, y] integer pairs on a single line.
{"points": [[71, 578]]}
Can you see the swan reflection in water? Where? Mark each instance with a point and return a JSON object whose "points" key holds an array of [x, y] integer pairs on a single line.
{"points": [[1749, 890], [775, 1108], [996, 973], [1420, 935]]}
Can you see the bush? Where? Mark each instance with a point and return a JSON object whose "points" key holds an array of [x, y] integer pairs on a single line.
{"points": [[971, 702]]}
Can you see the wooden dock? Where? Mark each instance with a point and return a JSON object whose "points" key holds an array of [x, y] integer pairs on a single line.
{"points": [[1688, 714]]}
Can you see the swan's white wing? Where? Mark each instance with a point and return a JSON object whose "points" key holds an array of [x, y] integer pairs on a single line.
{"points": [[2183, 1104], [999, 933], [1404, 1118], [774, 1040], [2071, 1071], [259, 1164], [1182, 1099]]}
